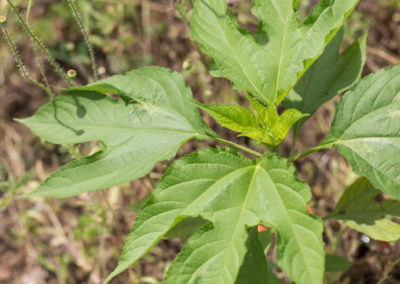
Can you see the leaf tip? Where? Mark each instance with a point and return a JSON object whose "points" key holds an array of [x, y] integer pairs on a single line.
{"points": [[31, 194], [20, 120]]}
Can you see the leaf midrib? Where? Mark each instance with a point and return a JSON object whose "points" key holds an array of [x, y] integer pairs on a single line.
{"points": [[372, 166], [244, 207], [290, 223], [365, 116], [74, 184], [238, 59], [113, 127], [236, 171], [282, 45]]}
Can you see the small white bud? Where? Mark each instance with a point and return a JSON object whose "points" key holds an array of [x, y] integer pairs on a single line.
{"points": [[3, 20], [72, 74], [187, 64]]}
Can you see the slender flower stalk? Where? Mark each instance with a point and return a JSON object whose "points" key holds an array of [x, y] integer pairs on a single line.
{"points": [[3, 20], [17, 58], [85, 33], [40, 45], [35, 50]]}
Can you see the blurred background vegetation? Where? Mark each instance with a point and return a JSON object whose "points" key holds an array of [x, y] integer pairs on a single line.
{"points": [[78, 240]]}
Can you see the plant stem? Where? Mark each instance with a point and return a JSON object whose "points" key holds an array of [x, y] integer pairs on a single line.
{"points": [[191, 3], [112, 211], [274, 149], [388, 270], [109, 207], [239, 147], [309, 151], [20, 64], [40, 44], [150, 180], [85, 33], [294, 140], [35, 50]]}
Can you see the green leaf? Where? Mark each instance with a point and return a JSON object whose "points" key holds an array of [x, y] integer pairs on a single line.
{"points": [[233, 117], [336, 263], [186, 228], [330, 75], [233, 194], [262, 113], [358, 210], [282, 126], [265, 238], [366, 129], [269, 63], [267, 127], [254, 268], [149, 125]]}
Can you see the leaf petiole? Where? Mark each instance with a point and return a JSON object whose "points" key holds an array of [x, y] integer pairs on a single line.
{"points": [[310, 151], [239, 147]]}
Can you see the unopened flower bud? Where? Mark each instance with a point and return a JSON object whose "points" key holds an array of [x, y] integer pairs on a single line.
{"points": [[3, 20], [101, 70], [71, 74], [70, 46], [187, 64], [208, 93]]}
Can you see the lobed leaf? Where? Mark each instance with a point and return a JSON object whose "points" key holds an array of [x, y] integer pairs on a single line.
{"points": [[269, 63], [358, 209], [233, 194], [330, 75], [149, 125], [366, 129]]}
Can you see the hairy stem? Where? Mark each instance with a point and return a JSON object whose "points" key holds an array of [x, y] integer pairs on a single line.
{"points": [[40, 45], [20, 64], [239, 147], [35, 50], [85, 33]]}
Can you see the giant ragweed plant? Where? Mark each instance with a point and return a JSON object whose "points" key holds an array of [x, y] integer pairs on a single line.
{"points": [[217, 196]]}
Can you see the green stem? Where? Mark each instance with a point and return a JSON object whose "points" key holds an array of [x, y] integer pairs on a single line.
{"points": [[20, 64], [274, 149], [239, 147], [294, 140], [35, 50], [40, 44], [85, 33], [310, 151]]}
